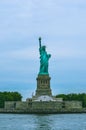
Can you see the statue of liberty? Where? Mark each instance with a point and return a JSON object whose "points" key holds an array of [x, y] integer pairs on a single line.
{"points": [[44, 58]]}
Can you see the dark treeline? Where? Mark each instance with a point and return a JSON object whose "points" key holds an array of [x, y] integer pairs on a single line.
{"points": [[74, 97], [9, 96]]}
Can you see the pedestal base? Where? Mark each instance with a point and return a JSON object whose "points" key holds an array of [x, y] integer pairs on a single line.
{"points": [[43, 85]]}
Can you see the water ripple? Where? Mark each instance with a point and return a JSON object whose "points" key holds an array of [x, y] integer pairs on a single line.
{"points": [[43, 122]]}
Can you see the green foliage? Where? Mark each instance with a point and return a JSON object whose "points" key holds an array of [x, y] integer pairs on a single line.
{"points": [[73, 96], [9, 96]]}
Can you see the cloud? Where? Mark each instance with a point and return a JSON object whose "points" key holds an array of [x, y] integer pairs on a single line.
{"points": [[26, 18], [25, 53], [62, 24]]}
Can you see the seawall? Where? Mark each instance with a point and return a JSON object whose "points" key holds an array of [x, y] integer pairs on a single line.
{"points": [[43, 111]]}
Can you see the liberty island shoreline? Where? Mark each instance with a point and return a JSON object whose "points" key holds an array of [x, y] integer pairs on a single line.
{"points": [[43, 101], [2, 111], [43, 111]]}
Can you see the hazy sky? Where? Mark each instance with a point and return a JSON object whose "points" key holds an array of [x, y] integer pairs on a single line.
{"points": [[62, 26]]}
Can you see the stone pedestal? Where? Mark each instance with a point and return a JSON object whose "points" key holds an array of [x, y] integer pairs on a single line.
{"points": [[43, 85]]}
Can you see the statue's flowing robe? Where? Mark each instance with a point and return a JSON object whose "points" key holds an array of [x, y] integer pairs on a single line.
{"points": [[44, 57]]}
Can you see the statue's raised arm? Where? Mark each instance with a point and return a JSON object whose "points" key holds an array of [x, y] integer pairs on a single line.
{"points": [[44, 58], [39, 42]]}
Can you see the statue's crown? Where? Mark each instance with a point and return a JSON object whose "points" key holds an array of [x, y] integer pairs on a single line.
{"points": [[43, 47]]}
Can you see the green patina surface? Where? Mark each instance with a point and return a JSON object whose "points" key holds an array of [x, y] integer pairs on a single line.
{"points": [[44, 59]]}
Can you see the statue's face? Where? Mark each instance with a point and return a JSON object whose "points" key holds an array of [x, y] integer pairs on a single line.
{"points": [[43, 48]]}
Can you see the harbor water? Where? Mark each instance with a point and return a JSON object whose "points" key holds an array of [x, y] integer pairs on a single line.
{"points": [[43, 122]]}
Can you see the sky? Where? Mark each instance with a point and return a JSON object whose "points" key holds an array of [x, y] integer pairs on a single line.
{"points": [[62, 26]]}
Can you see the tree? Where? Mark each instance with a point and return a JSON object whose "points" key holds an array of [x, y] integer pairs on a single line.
{"points": [[74, 97], [9, 96]]}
